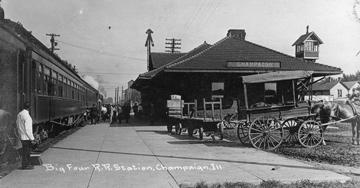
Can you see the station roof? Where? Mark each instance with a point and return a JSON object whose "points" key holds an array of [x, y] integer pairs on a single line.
{"points": [[236, 55], [160, 59]]}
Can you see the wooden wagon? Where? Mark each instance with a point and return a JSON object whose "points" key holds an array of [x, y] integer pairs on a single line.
{"points": [[266, 125], [191, 122]]}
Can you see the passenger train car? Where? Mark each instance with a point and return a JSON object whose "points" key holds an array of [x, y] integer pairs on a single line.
{"points": [[30, 72]]}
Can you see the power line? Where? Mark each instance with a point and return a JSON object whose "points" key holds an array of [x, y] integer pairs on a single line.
{"points": [[100, 52], [203, 16], [197, 13], [210, 16]]}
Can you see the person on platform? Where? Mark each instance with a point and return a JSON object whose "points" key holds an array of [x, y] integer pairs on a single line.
{"points": [[126, 111], [113, 113], [135, 109], [103, 113], [120, 113], [152, 114], [140, 110], [94, 114], [25, 132]]}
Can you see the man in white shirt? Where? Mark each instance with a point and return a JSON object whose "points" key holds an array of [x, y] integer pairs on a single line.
{"points": [[25, 130]]}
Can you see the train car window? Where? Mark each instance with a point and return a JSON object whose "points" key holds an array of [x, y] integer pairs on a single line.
{"points": [[60, 85], [65, 86], [46, 80], [54, 81], [40, 79]]}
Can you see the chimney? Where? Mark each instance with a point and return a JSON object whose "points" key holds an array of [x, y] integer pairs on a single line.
{"points": [[2, 14], [237, 33]]}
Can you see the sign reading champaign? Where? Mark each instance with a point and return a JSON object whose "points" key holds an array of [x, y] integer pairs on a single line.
{"points": [[253, 64]]}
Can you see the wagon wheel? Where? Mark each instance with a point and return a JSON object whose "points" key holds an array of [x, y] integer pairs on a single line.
{"points": [[265, 133], [310, 134], [201, 133], [178, 129], [290, 130], [190, 131], [221, 130], [232, 121], [243, 133]]}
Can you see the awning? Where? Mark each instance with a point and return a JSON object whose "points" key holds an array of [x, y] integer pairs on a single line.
{"points": [[276, 76]]}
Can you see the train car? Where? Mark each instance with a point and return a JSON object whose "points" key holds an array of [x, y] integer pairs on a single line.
{"points": [[30, 72]]}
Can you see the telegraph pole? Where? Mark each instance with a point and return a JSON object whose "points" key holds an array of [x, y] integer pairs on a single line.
{"points": [[52, 41], [173, 44]]}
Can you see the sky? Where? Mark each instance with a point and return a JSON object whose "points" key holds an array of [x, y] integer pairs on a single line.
{"points": [[105, 39]]}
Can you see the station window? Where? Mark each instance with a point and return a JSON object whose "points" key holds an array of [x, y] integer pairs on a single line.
{"points": [[309, 46], [217, 89]]}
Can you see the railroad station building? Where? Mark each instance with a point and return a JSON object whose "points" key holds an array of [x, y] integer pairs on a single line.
{"points": [[215, 70]]}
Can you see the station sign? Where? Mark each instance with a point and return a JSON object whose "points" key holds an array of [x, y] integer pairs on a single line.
{"points": [[253, 64]]}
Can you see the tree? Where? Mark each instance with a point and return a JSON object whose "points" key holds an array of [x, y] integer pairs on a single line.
{"points": [[352, 77]]}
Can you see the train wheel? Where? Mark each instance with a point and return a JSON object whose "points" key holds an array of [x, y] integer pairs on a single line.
{"points": [[201, 133], [290, 130], [243, 133], [310, 134], [265, 133]]}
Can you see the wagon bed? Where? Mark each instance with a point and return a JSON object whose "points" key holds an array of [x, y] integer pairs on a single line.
{"points": [[268, 126]]}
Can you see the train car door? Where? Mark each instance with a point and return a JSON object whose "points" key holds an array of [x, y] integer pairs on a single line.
{"points": [[21, 77], [33, 86]]}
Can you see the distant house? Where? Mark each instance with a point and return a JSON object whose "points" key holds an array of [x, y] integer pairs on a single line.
{"points": [[350, 86], [329, 91]]}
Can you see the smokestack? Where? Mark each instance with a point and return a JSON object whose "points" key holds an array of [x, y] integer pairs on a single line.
{"points": [[237, 33]]}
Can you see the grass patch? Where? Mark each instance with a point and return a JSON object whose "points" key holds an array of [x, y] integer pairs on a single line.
{"points": [[276, 184]]}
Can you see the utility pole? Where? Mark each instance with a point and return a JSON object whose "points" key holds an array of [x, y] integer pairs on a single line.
{"points": [[122, 92], [173, 44], [52, 41]]}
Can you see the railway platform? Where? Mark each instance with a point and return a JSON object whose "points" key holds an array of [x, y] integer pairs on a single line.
{"points": [[139, 155]]}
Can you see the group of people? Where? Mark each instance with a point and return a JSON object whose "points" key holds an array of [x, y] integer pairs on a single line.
{"points": [[117, 113], [114, 112], [24, 124]]}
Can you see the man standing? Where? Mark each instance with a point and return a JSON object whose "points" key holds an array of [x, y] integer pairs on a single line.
{"points": [[94, 114], [25, 130], [126, 111], [135, 109]]}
